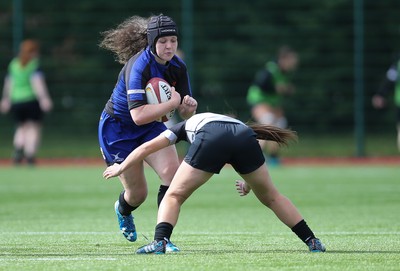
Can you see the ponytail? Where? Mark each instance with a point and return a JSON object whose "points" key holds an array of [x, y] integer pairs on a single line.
{"points": [[272, 133]]}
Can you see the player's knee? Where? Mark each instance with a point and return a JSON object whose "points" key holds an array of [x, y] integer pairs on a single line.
{"points": [[136, 196], [167, 174], [271, 199], [179, 198]]}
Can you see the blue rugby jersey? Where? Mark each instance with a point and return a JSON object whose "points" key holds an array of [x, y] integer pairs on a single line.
{"points": [[138, 71]]}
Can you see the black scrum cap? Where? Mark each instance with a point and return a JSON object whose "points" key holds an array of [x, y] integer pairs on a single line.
{"points": [[160, 26]]}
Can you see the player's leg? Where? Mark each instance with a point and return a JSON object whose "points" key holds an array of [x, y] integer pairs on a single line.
{"points": [[133, 179], [165, 162], [32, 140], [21, 115], [19, 143], [186, 180], [266, 114], [135, 186], [134, 194], [273, 147], [33, 115], [262, 186], [263, 113]]}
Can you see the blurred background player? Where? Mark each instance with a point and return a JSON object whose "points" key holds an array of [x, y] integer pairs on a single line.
{"points": [[147, 47], [26, 96], [265, 95], [390, 83]]}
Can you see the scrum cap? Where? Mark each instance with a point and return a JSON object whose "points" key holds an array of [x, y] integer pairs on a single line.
{"points": [[160, 26]]}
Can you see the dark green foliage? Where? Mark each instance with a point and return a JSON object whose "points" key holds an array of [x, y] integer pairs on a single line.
{"points": [[231, 41]]}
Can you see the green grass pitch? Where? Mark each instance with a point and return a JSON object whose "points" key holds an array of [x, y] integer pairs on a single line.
{"points": [[62, 218]]}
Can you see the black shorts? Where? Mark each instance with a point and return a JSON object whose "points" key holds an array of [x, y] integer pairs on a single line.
{"points": [[27, 111], [220, 143]]}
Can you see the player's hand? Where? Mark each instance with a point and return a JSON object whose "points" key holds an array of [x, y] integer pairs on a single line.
{"points": [[175, 97], [5, 106], [242, 188], [188, 107], [189, 101], [46, 105], [285, 89], [378, 101], [112, 171]]}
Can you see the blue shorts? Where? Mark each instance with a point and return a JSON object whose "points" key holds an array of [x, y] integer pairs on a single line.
{"points": [[220, 143], [118, 139]]}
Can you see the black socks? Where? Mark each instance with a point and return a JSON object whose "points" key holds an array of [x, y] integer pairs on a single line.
{"points": [[302, 230], [18, 156], [163, 230], [124, 208], [161, 193]]}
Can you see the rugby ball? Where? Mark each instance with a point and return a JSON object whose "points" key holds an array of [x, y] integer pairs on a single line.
{"points": [[159, 91]]}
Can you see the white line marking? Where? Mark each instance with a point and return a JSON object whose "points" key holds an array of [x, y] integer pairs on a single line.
{"points": [[66, 258], [201, 233]]}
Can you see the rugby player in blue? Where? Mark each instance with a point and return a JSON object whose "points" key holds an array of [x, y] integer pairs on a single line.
{"points": [[147, 48]]}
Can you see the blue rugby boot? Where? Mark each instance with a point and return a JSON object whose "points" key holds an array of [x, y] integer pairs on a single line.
{"points": [[170, 247], [315, 245], [126, 224], [153, 248]]}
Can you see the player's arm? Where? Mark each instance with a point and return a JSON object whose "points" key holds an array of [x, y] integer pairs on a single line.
{"points": [[138, 155], [188, 105], [150, 112], [387, 84], [389, 81], [174, 134], [39, 85], [5, 104]]}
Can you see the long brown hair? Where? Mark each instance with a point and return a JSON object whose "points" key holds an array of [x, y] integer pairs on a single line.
{"points": [[127, 39], [272, 133]]}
